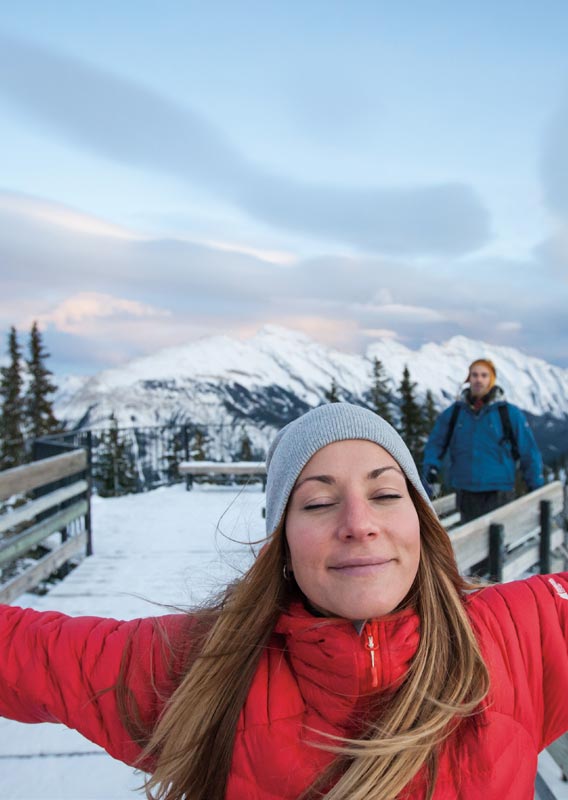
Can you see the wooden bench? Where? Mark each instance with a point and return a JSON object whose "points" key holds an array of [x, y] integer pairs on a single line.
{"points": [[225, 468]]}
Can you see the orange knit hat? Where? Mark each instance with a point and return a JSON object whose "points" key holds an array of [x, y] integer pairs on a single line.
{"points": [[486, 363]]}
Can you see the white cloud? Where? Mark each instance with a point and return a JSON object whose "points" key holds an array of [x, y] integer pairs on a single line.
{"points": [[509, 326], [62, 216], [382, 297], [380, 333], [333, 332], [133, 125], [402, 312], [82, 311], [271, 256]]}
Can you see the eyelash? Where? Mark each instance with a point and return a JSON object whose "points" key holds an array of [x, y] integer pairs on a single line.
{"points": [[327, 505]]}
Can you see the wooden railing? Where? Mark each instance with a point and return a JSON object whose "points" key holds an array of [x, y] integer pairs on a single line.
{"points": [[61, 503], [513, 539]]}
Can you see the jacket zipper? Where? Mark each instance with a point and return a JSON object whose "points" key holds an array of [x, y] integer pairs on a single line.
{"points": [[372, 645]]}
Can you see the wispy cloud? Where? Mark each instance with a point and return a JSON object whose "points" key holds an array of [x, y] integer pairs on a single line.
{"points": [[121, 297], [399, 311], [81, 312], [129, 123], [554, 162], [62, 216], [510, 326]]}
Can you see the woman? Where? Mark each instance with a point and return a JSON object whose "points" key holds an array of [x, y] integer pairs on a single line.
{"points": [[351, 661]]}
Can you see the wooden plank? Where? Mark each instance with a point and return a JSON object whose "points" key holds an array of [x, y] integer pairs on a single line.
{"points": [[43, 569], [542, 790], [471, 541], [44, 503], [527, 556], [559, 752], [471, 549], [451, 521], [445, 505], [20, 544], [222, 468], [39, 473]]}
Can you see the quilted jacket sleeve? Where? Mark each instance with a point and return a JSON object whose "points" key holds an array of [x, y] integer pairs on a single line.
{"points": [[523, 629], [530, 457], [55, 668]]}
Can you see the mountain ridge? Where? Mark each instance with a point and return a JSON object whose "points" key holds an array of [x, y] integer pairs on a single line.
{"points": [[280, 357], [264, 381]]}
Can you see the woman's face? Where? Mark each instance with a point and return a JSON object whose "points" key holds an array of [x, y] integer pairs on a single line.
{"points": [[353, 531]]}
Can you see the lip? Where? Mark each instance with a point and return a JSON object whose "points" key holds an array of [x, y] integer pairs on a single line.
{"points": [[361, 566]]}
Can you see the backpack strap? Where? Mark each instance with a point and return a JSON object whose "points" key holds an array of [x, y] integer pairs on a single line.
{"points": [[451, 426], [508, 434]]}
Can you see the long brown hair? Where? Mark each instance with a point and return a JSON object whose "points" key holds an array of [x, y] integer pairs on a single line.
{"points": [[192, 744]]}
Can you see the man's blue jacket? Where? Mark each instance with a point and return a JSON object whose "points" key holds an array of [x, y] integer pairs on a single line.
{"points": [[480, 456]]}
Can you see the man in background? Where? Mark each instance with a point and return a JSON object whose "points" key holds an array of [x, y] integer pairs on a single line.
{"points": [[485, 437]]}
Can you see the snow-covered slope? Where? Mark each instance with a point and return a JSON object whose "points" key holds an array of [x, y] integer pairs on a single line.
{"points": [[276, 375], [531, 383]]}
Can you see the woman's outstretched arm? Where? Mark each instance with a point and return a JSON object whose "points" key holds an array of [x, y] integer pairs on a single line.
{"points": [[523, 629], [55, 668]]}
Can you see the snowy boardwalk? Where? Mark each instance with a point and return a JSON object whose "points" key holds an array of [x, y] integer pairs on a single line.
{"points": [[161, 547]]}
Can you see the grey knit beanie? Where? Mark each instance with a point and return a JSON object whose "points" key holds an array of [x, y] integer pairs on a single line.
{"points": [[297, 442]]}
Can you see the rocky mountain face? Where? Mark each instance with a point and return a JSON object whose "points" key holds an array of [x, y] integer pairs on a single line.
{"points": [[260, 384]]}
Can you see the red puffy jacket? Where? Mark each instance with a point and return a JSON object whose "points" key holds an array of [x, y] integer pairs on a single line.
{"points": [[313, 675]]}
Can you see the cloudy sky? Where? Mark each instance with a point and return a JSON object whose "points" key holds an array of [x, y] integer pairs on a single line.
{"points": [[350, 169]]}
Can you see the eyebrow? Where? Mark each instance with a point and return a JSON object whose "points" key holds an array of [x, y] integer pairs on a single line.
{"points": [[330, 480]]}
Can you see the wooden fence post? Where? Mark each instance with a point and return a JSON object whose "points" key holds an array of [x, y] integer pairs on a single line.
{"points": [[88, 517], [188, 480], [545, 520], [496, 552]]}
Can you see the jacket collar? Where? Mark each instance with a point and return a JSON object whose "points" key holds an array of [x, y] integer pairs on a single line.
{"points": [[494, 395], [333, 663]]}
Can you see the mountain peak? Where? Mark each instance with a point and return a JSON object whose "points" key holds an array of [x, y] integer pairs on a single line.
{"points": [[279, 372]]}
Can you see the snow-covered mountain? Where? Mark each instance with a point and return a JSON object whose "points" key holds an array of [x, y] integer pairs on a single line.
{"points": [[272, 377]]}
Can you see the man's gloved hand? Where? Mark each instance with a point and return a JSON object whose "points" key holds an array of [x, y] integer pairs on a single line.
{"points": [[432, 476], [434, 482]]}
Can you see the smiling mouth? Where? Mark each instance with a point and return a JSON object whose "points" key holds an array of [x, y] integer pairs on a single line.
{"points": [[362, 568]]}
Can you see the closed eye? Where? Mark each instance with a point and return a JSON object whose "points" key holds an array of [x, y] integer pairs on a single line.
{"points": [[387, 497], [313, 506]]}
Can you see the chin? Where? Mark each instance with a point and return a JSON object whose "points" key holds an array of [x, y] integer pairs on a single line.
{"points": [[373, 607], [367, 611]]}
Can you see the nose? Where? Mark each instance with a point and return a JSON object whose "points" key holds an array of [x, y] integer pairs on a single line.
{"points": [[356, 521]]}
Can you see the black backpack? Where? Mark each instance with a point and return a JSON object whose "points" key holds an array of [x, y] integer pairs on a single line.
{"points": [[508, 435]]}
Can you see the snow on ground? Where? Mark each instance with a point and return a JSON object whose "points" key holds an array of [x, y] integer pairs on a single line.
{"points": [[167, 546]]}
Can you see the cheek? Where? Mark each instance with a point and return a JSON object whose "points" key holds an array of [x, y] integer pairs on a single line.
{"points": [[307, 552], [304, 553]]}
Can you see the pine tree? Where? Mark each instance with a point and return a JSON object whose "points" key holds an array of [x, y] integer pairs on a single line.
{"points": [[200, 440], [429, 413], [115, 471], [11, 410], [332, 394], [40, 417], [175, 452], [411, 422], [380, 395], [245, 450]]}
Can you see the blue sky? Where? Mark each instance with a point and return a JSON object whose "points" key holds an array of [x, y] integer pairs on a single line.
{"points": [[352, 170]]}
